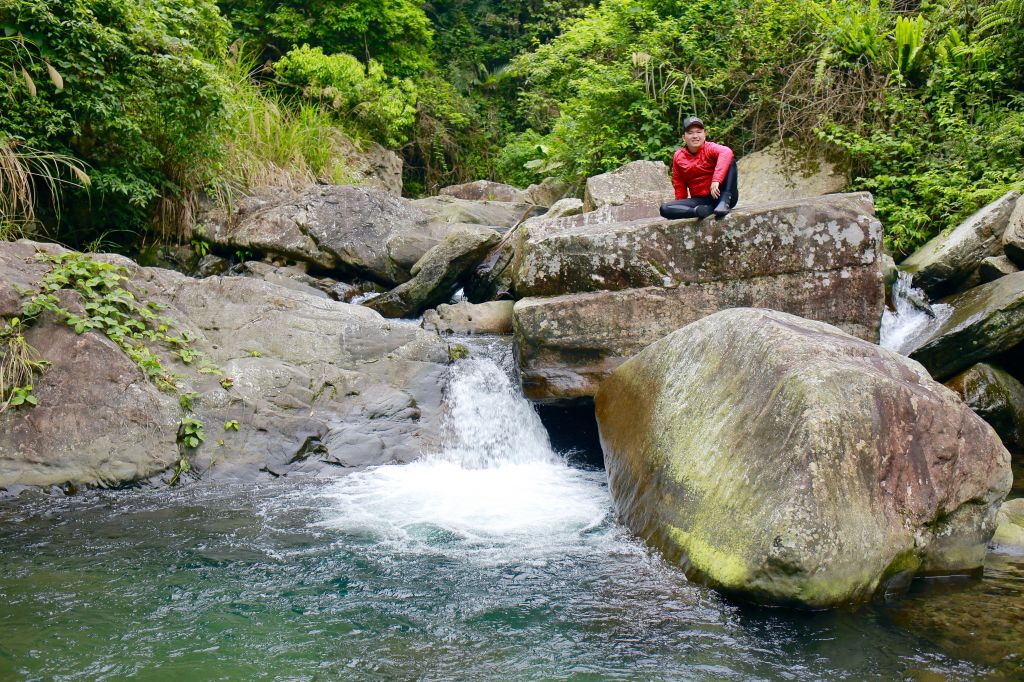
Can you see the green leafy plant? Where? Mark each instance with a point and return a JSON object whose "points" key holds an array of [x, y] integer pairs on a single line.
{"points": [[231, 425], [19, 363], [191, 433], [182, 466]]}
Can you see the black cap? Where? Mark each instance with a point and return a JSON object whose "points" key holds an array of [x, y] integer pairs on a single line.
{"points": [[691, 121]]}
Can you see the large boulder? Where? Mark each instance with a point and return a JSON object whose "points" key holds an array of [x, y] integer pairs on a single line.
{"points": [[780, 172], [314, 385], [437, 275], [985, 321], [636, 180], [1013, 236], [358, 231], [994, 267], [945, 261], [547, 192], [641, 279], [996, 397], [498, 215], [1009, 535], [784, 461], [485, 190], [371, 165]]}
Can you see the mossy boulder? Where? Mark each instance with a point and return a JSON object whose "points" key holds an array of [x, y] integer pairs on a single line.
{"points": [[783, 461], [996, 397]]}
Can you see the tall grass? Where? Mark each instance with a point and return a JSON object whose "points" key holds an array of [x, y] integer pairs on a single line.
{"points": [[271, 140], [28, 176]]}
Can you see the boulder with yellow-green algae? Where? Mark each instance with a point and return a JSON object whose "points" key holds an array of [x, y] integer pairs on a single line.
{"points": [[783, 461]]}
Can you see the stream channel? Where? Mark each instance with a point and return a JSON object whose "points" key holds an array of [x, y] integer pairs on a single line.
{"points": [[495, 559]]}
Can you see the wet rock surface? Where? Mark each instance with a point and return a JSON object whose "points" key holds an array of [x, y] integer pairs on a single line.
{"points": [[996, 397], [783, 461], [986, 320], [946, 261], [315, 385], [437, 275]]}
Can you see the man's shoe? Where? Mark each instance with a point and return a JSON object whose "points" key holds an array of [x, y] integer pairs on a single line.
{"points": [[702, 211], [722, 209]]}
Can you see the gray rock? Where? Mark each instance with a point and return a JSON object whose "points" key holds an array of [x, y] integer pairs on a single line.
{"points": [[491, 279], [941, 264], [371, 165], [485, 190], [499, 215], [563, 208], [646, 180], [780, 172], [437, 274], [547, 192], [314, 384], [288, 277], [1013, 236], [828, 233], [986, 320], [494, 317], [994, 267], [996, 397], [351, 229], [210, 265], [1009, 535], [783, 461]]}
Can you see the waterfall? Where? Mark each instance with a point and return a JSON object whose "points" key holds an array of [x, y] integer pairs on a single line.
{"points": [[913, 320], [495, 490]]}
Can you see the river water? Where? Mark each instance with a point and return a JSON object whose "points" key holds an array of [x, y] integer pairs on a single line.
{"points": [[495, 559]]}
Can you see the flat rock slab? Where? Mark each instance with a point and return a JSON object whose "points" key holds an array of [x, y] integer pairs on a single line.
{"points": [[485, 190], [498, 215], [986, 321], [783, 461], [574, 255], [566, 345], [778, 173]]}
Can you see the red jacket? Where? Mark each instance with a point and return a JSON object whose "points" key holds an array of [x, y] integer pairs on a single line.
{"points": [[692, 174]]}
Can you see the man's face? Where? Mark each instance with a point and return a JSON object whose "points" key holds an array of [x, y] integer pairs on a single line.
{"points": [[694, 138]]}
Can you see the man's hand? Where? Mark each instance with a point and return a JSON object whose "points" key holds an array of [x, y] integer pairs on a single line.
{"points": [[715, 192]]}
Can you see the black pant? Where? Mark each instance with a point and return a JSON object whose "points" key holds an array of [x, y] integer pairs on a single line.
{"points": [[683, 208]]}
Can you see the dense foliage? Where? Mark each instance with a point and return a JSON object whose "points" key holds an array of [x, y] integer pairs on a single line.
{"points": [[922, 101], [138, 100]]}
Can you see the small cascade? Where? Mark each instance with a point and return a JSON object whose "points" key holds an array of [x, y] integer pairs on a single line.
{"points": [[913, 319], [495, 491]]}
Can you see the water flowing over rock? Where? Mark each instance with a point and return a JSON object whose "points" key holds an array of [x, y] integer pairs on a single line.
{"points": [[912, 319], [776, 173], [985, 321], [314, 384], [637, 180], [784, 461], [360, 231], [996, 397], [947, 260], [436, 276], [485, 190], [599, 291]]}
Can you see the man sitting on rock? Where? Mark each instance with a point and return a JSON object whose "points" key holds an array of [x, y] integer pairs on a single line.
{"points": [[704, 175]]}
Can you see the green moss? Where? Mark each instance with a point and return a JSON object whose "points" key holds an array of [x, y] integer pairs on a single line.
{"points": [[728, 569]]}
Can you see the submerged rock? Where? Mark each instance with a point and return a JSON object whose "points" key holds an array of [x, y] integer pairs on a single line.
{"points": [[784, 461], [944, 262], [437, 274], [985, 321], [996, 397], [312, 383], [636, 180], [640, 278]]}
